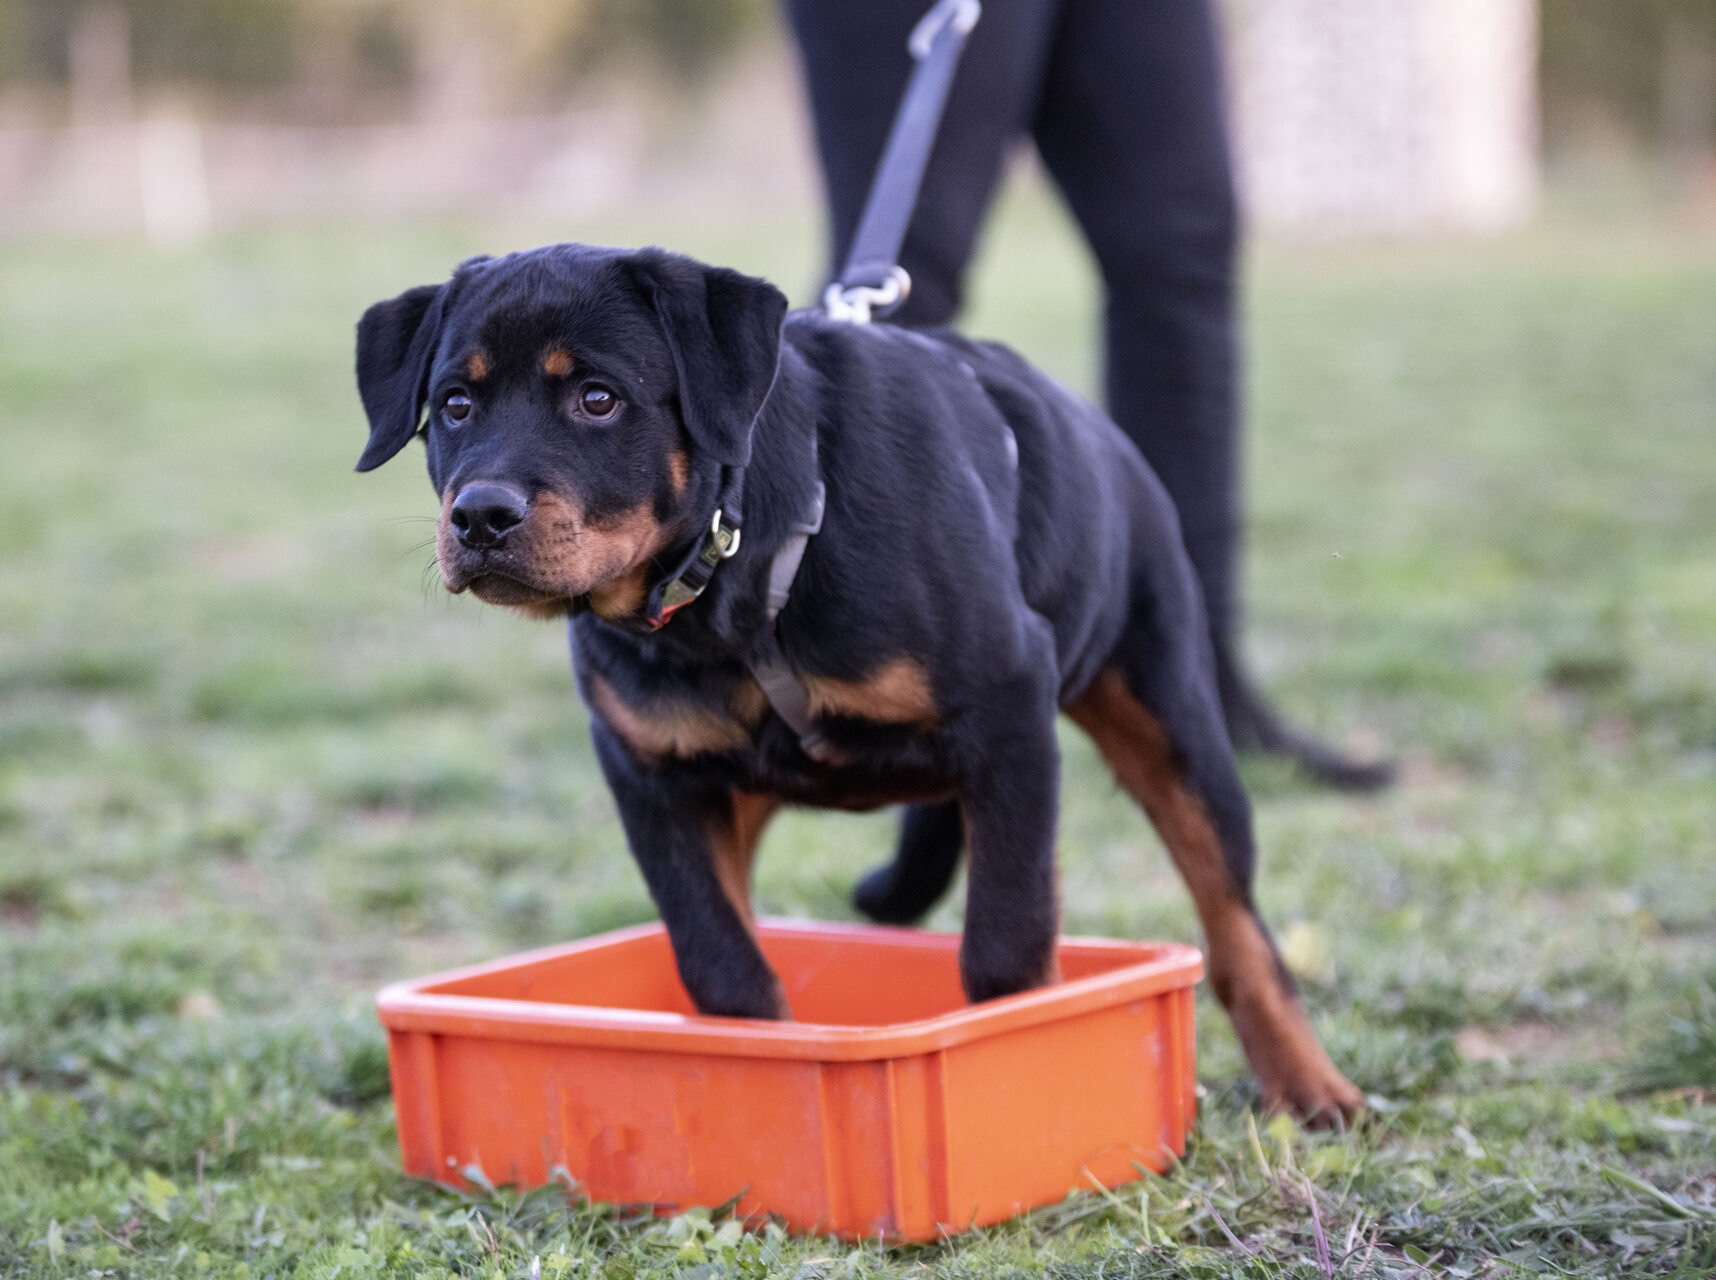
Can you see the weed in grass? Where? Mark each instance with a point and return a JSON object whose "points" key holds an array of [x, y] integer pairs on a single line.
{"points": [[1683, 1053]]}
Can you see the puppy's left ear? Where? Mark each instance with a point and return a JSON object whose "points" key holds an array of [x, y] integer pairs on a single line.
{"points": [[395, 344], [724, 330]]}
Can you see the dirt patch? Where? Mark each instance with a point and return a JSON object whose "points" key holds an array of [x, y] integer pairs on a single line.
{"points": [[1537, 1042]]}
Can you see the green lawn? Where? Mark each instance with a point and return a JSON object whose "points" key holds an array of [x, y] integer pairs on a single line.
{"points": [[254, 762]]}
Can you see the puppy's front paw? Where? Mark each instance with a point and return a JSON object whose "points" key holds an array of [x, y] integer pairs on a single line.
{"points": [[760, 996], [989, 977]]}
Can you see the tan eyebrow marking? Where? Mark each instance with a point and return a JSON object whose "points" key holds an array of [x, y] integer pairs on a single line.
{"points": [[477, 365], [557, 363]]}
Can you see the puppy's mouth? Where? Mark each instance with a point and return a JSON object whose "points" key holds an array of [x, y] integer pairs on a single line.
{"points": [[496, 578], [552, 559], [501, 588]]}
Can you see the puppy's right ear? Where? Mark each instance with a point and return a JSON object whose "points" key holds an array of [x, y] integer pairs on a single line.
{"points": [[395, 345]]}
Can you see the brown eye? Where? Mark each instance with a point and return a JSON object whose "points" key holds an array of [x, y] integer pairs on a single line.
{"points": [[599, 402], [457, 408]]}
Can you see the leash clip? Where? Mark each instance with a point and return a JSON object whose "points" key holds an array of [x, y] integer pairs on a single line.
{"points": [[860, 303], [961, 15]]}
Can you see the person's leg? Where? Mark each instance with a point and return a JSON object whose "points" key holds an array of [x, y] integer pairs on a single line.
{"points": [[1131, 125], [856, 67], [1132, 128]]}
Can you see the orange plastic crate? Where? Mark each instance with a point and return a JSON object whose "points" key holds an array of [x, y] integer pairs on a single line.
{"points": [[891, 1108]]}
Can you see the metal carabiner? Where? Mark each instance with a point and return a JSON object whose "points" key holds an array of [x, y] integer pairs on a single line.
{"points": [[961, 15], [857, 303]]}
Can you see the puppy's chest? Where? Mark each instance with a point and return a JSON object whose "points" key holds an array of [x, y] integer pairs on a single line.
{"points": [[885, 718]]}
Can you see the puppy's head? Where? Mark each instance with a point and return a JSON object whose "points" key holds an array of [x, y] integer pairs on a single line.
{"points": [[577, 405]]}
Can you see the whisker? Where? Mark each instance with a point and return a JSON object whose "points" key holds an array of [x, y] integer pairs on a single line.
{"points": [[416, 547]]}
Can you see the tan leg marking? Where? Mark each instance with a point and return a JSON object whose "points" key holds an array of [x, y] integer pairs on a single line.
{"points": [[667, 729], [1295, 1072], [898, 692], [733, 844], [734, 840]]}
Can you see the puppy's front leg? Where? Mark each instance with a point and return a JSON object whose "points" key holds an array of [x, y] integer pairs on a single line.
{"points": [[693, 838], [1010, 793]]}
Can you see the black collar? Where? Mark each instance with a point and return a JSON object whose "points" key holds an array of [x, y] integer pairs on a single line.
{"points": [[694, 573], [696, 568], [691, 577]]}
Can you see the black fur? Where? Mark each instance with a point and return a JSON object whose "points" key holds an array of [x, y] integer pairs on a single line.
{"points": [[724, 331], [983, 525], [396, 339]]}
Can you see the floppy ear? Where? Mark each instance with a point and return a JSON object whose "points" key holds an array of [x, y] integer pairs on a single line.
{"points": [[395, 343], [724, 330]]}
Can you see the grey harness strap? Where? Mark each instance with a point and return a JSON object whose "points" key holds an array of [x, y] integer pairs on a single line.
{"points": [[768, 664]]}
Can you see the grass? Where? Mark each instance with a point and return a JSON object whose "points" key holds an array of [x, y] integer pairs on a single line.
{"points": [[253, 763]]}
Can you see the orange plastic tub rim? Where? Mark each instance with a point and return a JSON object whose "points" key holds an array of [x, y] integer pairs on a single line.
{"points": [[890, 1109]]}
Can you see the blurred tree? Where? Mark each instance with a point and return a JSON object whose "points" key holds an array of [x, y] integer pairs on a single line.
{"points": [[226, 43], [1644, 69], [475, 57], [687, 37], [445, 56]]}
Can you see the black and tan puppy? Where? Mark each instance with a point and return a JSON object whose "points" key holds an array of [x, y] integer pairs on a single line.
{"points": [[993, 551]]}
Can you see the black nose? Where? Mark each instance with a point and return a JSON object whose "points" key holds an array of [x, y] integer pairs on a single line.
{"points": [[485, 511]]}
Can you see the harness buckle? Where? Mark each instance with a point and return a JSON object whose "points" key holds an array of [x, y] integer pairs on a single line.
{"points": [[860, 303], [726, 535]]}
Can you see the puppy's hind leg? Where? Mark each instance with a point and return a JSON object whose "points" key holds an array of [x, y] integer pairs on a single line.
{"points": [[925, 860], [1156, 718]]}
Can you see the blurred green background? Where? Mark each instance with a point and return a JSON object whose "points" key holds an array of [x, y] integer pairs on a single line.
{"points": [[255, 762]]}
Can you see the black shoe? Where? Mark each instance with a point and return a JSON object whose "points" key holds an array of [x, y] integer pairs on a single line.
{"points": [[1254, 725]]}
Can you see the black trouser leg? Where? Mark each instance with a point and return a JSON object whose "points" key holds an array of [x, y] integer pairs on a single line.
{"points": [[1131, 125]]}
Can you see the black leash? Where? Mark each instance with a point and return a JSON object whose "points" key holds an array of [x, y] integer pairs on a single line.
{"points": [[872, 283]]}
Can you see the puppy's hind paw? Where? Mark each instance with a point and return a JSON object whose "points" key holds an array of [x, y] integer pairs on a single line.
{"points": [[1319, 1100], [883, 897]]}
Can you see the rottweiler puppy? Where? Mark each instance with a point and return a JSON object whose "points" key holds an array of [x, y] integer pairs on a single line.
{"points": [[643, 444]]}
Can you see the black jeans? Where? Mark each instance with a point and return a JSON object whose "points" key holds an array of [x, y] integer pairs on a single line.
{"points": [[1124, 101]]}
